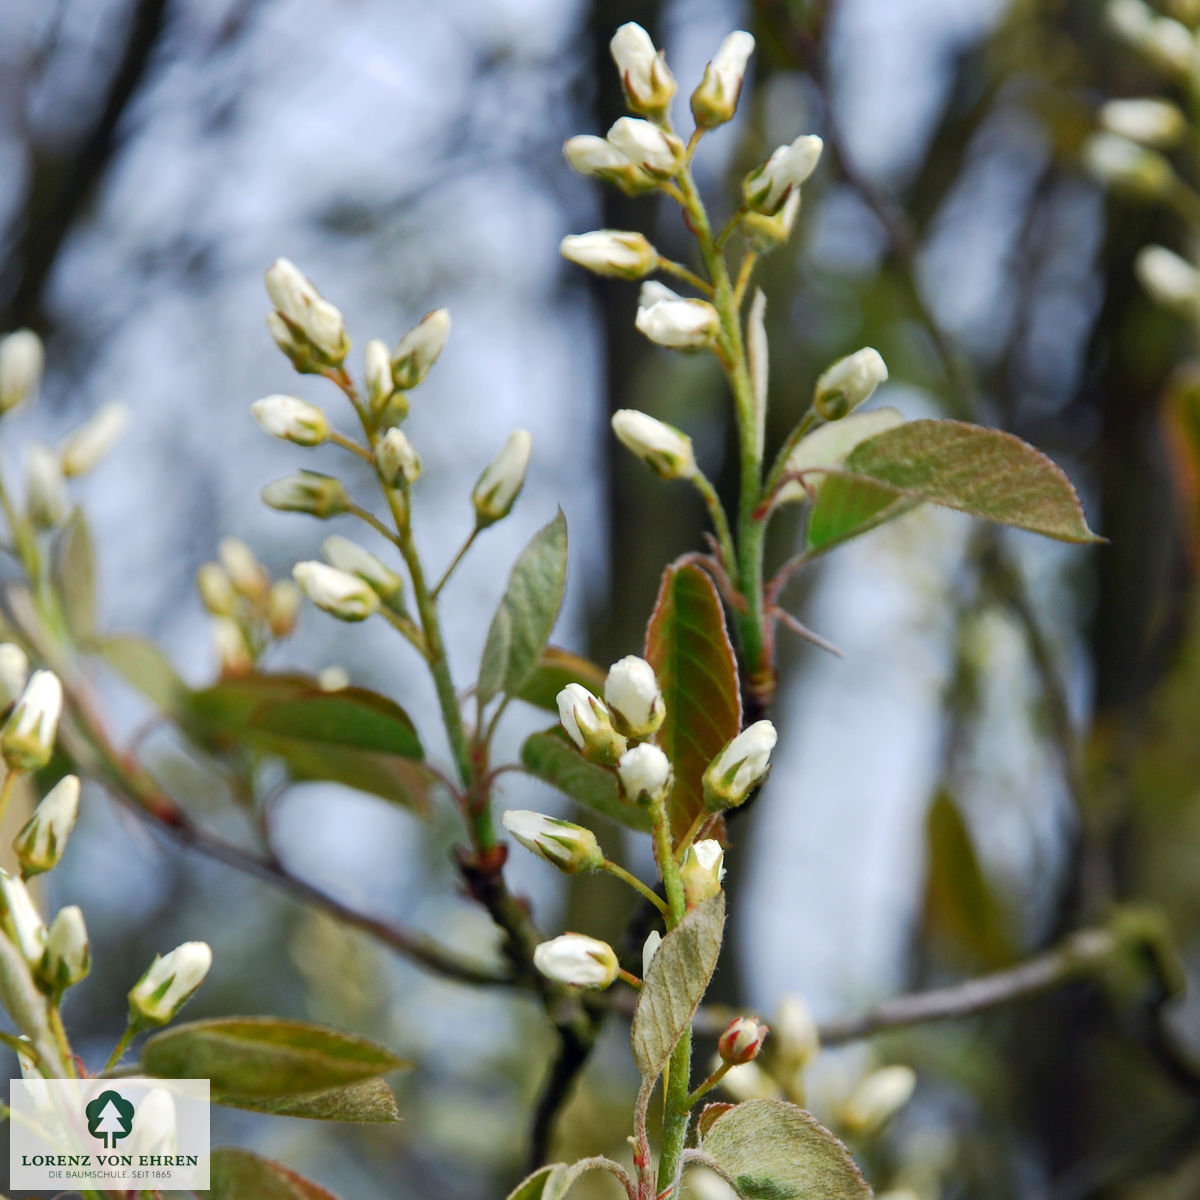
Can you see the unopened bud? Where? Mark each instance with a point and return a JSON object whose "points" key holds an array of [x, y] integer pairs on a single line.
{"points": [[169, 983], [1164, 41], [645, 78], [378, 374], [215, 588], [650, 949], [22, 922], [46, 498], [749, 1082], [645, 774], [1127, 167], [307, 316], [350, 557], [333, 679], [658, 153], [309, 492], [877, 1098], [22, 360], [326, 331], [667, 451], [670, 320], [571, 848], [599, 159], [766, 188], [233, 650], [740, 767], [1150, 121], [797, 1039], [496, 490], [41, 842], [27, 737], [84, 448], [290, 292], [702, 870], [742, 1040], [339, 594], [634, 698], [588, 724], [67, 957], [248, 575], [768, 233], [14, 673], [1170, 280], [419, 348], [291, 419], [715, 100], [283, 608], [292, 342], [849, 383], [580, 961], [611, 252], [396, 460]]}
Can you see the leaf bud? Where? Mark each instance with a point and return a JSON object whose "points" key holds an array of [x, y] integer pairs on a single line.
{"points": [[22, 360], [88, 444], [645, 77], [849, 383], [588, 724], [67, 957], [309, 492], [702, 870], [611, 252], [645, 774], [767, 187], [169, 983], [351, 558], [715, 100], [741, 1041], [341, 595], [571, 848], [43, 838], [667, 451], [419, 348], [877, 1098], [27, 737], [497, 489], [396, 460], [740, 767], [579, 961], [291, 419], [14, 673]]}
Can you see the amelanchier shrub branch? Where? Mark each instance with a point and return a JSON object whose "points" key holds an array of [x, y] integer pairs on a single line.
{"points": [[667, 741]]}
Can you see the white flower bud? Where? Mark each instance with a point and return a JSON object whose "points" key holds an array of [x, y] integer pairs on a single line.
{"points": [[326, 330], [766, 188], [309, 492], [378, 374], [593, 156], [667, 451], [496, 490], [1168, 279], [247, 574], [645, 78], [233, 650], [715, 100], [41, 842], [633, 697], [588, 724], [169, 984], [650, 949], [748, 1082], [669, 320], [283, 607], [829, 446], [350, 557], [292, 342], [877, 1098], [84, 448], [67, 957], [797, 1039], [307, 315], [658, 153], [396, 460], [702, 870], [740, 767], [333, 679], [580, 961], [1152, 122], [419, 348], [24, 924], [27, 737], [742, 1040], [291, 419], [571, 848], [46, 498], [22, 360], [611, 252], [1163, 40], [768, 233], [645, 774], [338, 593], [1127, 167], [849, 383], [215, 588], [290, 292], [14, 673]]}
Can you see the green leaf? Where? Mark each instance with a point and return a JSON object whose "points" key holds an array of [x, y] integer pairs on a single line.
{"points": [[370, 1101], [553, 758], [349, 717], [543, 1184], [144, 666], [690, 651], [675, 984], [554, 670], [526, 614], [264, 1056], [74, 575], [240, 1175], [984, 472], [773, 1150], [847, 506]]}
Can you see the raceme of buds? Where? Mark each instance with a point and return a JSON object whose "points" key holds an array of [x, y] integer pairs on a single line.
{"points": [[46, 499], [248, 575], [419, 348], [1150, 121], [667, 451], [571, 848], [14, 673], [702, 870], [633, 697], [22, 360], [768, 233], [580, 961], [377, 374], [496, 490], [27, 738], [715, 100], [1127, 167], [588, 724], [169, 983], [233, 650], [671, 320], [22, 919], [396, 460], [849, 383], [305, 313], [797, 1040], [741, 1041], [291, 419], [307, 492], [611, 252], [766, 188], [877, 1098], [740, 767], [41, 842], [658, 153], [351, 558], [594, 157], [67, 957], [283, 607], [341, 595], [88, 444], [1170, 280], [645, 77], [645, 774]]}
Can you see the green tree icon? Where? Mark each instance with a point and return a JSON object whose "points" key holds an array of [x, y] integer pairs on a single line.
{"points": [[109, 1117]]}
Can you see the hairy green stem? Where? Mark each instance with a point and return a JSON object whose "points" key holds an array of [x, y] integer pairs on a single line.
{"points": [[120, 1048]]}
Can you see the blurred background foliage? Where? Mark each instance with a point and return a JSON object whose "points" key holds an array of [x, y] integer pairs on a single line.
{"points": [[1008, 750]]}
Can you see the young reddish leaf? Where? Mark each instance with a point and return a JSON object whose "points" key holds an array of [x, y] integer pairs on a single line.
{"points": [[238, 1174], [690, 651]]}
